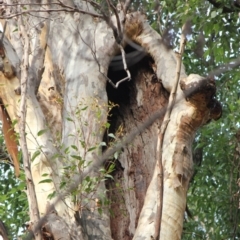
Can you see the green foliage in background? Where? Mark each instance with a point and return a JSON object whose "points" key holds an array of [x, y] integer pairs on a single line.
{"points": [[13, 199]]}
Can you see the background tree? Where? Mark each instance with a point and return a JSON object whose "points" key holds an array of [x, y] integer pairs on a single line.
{"points": [[136, 99]]}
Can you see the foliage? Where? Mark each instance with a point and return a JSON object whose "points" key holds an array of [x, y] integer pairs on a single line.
{"points": [[14, 205], [13, 200]]}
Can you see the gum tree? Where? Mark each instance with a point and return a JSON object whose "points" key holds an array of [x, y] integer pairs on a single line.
{"points": [[106, 116]]}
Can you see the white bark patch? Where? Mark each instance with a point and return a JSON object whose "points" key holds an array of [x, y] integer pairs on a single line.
{"points": [[139, 96]]}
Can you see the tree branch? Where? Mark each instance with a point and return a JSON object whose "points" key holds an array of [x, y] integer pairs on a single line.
{"points": [[65, 8], [235, 4]]}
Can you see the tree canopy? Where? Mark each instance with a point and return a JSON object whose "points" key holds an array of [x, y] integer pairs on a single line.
{"points": [[212, 50]]}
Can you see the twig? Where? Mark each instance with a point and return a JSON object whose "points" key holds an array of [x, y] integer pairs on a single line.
{"points": [[26, 4], [125, 66], [99, 65], [34, 211], [126, 6], [225, 67], [52, 10], [118, 35], [94, 4], [162, 131]]}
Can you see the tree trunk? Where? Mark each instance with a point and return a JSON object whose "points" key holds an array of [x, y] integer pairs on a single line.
{"points": [[67, 114]]}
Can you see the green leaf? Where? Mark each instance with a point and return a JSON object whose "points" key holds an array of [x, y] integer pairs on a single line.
{"points": [[111, 135], [83, 144], [35, 154], [62, 185], [109, 176], [69, 119], [91, 149], [66, 151], [52, 195], [116, 155], [102, 170], [46, 181], [111, 168], [14, 122], [84, 108], [88, 178], [41, 132], [76, 157], [74, 147], [100, 211], [102, 144], [213, 14], [45, 175]]}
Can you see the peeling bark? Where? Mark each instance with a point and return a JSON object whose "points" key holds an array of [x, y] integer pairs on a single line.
{"points": [[10, 139]]}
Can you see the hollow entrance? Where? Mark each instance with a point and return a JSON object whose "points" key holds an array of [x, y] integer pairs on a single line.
{"points": [[135, 59], [125, 95]]}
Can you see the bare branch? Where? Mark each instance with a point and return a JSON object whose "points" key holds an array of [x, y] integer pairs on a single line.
{"points": [[118, 34], [125, 67], [126, 6], [225, 68], [66, 8], [94, 4], [99, 67], [162, 131], [119, 30]]}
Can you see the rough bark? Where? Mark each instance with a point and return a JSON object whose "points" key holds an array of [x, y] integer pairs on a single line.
{"points": [[67, 108]]}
